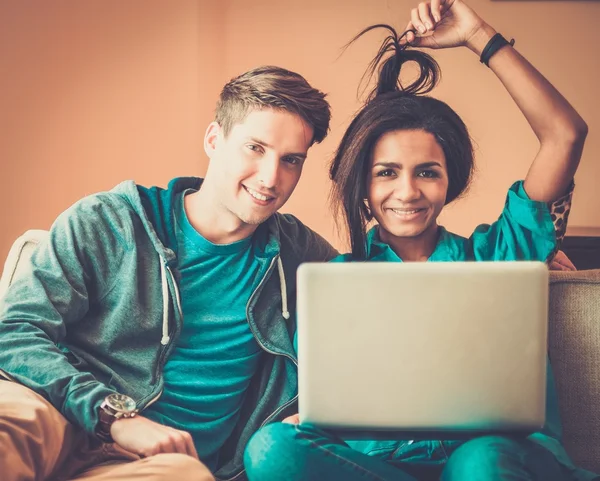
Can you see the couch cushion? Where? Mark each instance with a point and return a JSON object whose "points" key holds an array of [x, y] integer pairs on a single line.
{"points": [[574, 344]]}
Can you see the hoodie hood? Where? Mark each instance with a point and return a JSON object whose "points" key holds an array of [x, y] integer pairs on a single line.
{"points": [[154, 206]]}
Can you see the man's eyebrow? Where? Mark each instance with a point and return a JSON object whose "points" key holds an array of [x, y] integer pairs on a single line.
{"points": [[261, 142], [269, 146]]}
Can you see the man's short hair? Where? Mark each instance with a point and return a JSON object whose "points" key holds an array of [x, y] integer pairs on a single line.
{"points": [[276, 88]]}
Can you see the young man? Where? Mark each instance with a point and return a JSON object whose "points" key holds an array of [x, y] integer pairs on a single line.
{"points": [[152, 335]]}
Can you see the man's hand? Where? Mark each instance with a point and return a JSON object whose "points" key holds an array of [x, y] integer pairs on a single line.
{"points": [[141, 436]]}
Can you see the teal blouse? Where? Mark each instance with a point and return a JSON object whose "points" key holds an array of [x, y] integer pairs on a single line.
{"points": [[524, 231]]}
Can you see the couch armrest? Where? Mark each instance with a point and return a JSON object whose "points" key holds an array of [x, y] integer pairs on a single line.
{"points": [[19, 253]]}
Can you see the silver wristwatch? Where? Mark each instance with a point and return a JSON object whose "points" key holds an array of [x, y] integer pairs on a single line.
{"points": [[114, 406]]}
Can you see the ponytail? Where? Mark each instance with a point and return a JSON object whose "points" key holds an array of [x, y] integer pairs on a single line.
{"points": [[388, 76]]}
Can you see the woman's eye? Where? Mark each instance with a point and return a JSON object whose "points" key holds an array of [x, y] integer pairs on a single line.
{"points": [[385, 173], [428, 174]]}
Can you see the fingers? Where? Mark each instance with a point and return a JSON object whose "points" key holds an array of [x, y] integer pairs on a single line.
{"points": [[556, 265], [410, 36], [294, 419], [415, 19], [413, 40], [425, 16], [182, 443], [147, 438], [439, 8], [424, 19], [191, 448], [436, 10], [164, 445], [171, 441], [562, 263], [562, 258]]}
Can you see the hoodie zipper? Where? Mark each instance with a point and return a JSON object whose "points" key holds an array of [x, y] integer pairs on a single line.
{"points": [[153, 400], [176, 289], [278, 410], [248, 312], [266, 349], [177, 303]]}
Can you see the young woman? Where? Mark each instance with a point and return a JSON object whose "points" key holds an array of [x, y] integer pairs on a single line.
{"points": [[403, 158]]}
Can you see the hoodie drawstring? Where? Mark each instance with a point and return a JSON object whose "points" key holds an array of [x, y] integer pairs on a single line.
{"points": [[284, 306], [165, 295]]}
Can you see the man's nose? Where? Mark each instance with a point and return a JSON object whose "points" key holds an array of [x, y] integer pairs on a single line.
{"points": [[268, 172]]}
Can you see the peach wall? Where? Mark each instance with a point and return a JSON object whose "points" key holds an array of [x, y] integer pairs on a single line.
{"points": [[97, 92], [100, 91]]}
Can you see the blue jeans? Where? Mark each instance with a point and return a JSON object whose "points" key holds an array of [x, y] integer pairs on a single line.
{"points": [[289, 452]]}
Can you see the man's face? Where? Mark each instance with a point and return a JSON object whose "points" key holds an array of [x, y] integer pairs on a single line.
{"points": [[255, 168]]}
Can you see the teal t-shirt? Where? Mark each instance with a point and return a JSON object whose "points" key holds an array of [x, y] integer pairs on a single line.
{"points": [[216, 355], [524, 231]]}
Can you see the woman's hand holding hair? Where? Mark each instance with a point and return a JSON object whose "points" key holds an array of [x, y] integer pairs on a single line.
{"points": [[559, 128], [446, 24]]}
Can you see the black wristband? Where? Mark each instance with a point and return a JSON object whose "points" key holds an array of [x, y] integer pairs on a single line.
{"points": [[495, 43]]}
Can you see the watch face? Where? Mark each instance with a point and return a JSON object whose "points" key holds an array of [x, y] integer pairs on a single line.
{"points": [[121, 403]]}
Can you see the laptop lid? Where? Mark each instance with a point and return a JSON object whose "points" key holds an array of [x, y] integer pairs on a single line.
{"points": [[445, 347]]}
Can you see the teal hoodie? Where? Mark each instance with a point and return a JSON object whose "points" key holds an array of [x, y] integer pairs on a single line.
{"points": [[98, 310]]}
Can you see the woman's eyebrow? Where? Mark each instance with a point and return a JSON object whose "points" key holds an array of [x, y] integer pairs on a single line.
{"points": [[399, 166]]}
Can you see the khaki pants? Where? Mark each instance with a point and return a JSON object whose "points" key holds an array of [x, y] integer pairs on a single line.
{"points": [[38, 443]]}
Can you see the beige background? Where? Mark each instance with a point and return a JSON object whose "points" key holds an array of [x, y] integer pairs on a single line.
{"points": [[97, 91]]}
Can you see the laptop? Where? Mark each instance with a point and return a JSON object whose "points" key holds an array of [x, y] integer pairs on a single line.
{"points": [[416, 350]]}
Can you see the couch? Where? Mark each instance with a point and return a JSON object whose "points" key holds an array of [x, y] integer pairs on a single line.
{"points": [[574, 346]]}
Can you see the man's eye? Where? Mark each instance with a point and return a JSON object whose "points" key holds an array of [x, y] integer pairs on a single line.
{"points": [[254, 147], [292, 160]]}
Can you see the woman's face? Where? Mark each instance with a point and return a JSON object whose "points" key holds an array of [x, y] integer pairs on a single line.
{"points": [[407, 183]]}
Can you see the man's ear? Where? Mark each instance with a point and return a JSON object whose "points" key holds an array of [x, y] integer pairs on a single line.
{"points": [[211, 138]]}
